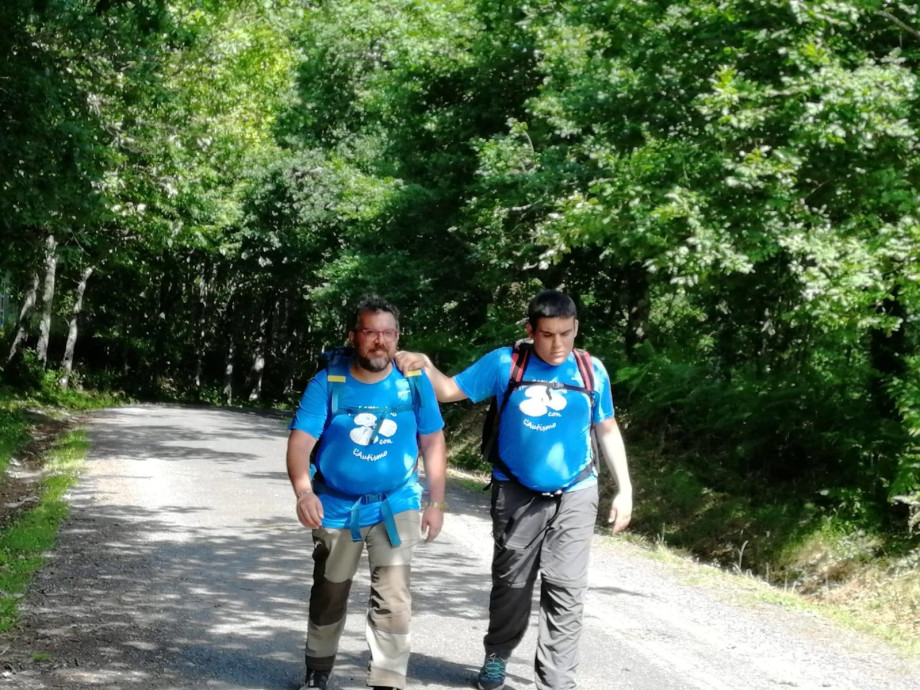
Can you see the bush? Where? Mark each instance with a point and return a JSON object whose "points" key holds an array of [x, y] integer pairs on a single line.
{"points": [[25, 371]]}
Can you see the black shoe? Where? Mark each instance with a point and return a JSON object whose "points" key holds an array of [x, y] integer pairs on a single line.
{"points": [[315, 679]]}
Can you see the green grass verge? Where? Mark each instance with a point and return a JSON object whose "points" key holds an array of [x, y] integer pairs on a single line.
{"points": [[25, 542], [882, 600], [27, 537]]}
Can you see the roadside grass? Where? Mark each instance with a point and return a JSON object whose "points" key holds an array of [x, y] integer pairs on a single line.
{"points": [[879, 597], [24, 543], [470, 480], [876, 601], [40, 456]]}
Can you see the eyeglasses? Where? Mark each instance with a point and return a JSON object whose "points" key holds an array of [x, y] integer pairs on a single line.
{"points": [[386, 334]]}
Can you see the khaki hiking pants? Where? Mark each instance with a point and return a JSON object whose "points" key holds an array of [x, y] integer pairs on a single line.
{"points": [[335, 562]]}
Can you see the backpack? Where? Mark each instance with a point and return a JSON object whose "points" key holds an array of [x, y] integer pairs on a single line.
{"points": [[520, 356]]}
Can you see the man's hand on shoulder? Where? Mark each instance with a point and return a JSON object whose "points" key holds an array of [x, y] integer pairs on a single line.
{"points": [[445, 388], [410, 361]]}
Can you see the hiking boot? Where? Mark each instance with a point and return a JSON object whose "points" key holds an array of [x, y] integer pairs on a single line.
{"points": [[316, 679], [492, 673]]}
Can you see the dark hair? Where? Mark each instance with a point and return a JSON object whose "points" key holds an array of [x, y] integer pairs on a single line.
{"points": [[374, 303], [550, 304]]}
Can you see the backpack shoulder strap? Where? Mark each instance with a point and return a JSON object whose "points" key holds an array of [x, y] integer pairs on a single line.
{"points": [[520, 355], [413, 376], [336, 373], [585, 368], [335, 362]]}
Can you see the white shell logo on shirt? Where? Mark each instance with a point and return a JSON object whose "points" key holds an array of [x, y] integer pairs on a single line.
{"points": [[540, 400], [364, 428]]}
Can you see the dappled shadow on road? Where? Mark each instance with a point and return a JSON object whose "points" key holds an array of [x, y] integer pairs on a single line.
{"points": [[173, 605], [133, 597], [425, 669], [174, 608], [617, 590], [170, 595]]}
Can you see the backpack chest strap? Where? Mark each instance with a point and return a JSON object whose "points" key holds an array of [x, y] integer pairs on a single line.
{"points": [[386, 511], [354, 513]]}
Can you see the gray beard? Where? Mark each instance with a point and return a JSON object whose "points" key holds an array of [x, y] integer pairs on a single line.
{"points": [[373, 365]]}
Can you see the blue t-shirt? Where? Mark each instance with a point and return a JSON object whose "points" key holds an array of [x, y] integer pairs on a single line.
{"points": [[544, 434], [356, 461]]}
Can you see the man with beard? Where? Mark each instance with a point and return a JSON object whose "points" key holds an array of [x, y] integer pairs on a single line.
{"points": [[370, 422]]}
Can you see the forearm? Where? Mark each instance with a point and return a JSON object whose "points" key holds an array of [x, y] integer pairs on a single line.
{"points": [[445, 388], [434, 457], [614, 452], [300, 445], [309, 507]]}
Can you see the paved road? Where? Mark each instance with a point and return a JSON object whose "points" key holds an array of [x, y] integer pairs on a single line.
{"points": [[182, 566]]}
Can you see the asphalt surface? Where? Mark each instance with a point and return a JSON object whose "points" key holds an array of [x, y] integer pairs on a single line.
{"points": [[182, 565]]}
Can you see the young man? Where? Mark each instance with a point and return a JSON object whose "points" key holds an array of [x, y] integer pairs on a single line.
{"points": [[544, 489], [371, 421]]}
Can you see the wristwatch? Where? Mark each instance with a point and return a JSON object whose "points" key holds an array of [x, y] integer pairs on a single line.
{"points": [[436, 504]]}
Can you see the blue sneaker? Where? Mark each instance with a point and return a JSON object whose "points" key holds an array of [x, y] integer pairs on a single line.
{"points": [[492, 673]]}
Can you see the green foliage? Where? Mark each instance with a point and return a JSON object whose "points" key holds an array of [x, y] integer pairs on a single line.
{"points": [[28, 536], [905, 487], [33, 383], [25, 372]]}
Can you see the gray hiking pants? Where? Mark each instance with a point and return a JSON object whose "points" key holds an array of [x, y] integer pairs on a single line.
{"points": [[551, 536]]}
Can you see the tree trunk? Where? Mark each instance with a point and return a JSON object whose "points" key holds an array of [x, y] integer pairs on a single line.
{"points": [[258, 362], [228, 374], [67, 362], [154, 360], [44, 329], [224, 315], [28, 305], [290, 339], [204, 291]]}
